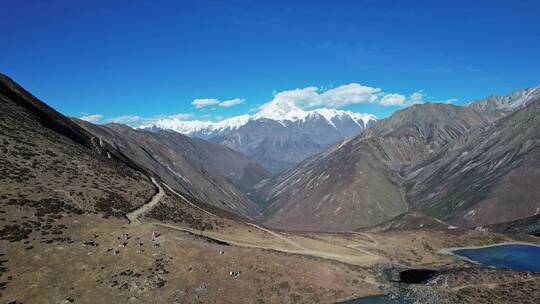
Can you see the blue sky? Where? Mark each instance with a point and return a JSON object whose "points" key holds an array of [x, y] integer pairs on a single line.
{"points": [[153, 58]]}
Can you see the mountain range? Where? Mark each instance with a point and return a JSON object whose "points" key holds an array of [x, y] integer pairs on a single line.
{"points": [[490, 175], [209, 172], [470, 165], [279, 135], [48, 158], [357, 183], [508, 103], [108, 213]]}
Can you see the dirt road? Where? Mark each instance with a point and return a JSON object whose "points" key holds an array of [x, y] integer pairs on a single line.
{"points": [[331, 252], [282, 243], [134, 215]]}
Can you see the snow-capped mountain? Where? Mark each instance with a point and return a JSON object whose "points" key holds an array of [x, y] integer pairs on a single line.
{"points": [[511, 102], [278, 135], [198, 128], [279, 111]]}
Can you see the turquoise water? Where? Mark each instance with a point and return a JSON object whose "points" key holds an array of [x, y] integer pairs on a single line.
{"points": [[510, 256]]}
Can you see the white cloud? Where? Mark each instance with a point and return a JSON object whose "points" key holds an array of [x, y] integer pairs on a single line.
{"points": [[344, 95], [449, 101], [200, 103], [125, 119], [299, 97], [417, 97], [348, 94], [93, 118], [204, 102], [285, 102], [393, 100], [231, 102], [180, 116]]}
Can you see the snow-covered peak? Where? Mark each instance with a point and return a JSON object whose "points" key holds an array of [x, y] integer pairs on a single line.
{"points": [[279, 110], [363, 117], [283, 110], [190, 127], [331, 114], [180, 126], [232, 123]]}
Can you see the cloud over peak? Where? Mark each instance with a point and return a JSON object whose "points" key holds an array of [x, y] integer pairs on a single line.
{"points": [[93, 118], [344, 95], [283, 103]]}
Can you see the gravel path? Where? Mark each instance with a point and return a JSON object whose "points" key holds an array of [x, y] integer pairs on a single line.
{"points": [[134, 216]]}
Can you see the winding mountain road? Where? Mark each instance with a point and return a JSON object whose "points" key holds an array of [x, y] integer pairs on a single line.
{"points": [[291, 246], [134, 216]]}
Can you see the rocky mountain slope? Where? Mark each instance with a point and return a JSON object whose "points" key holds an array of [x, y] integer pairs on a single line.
{"points": [[509, 103], [528, 225], [212, 173], [488, 176], [65, 199], [236, 167], [72, 229], [279, 135], [46, 160], [356, 183]]}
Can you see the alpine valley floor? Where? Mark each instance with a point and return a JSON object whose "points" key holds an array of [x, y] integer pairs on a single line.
{"points": [[85, 258]]}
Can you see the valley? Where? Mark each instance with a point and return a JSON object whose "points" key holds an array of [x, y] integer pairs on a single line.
{"points": [[135, 262], [270, 152], [107, 214], [111, 260]]}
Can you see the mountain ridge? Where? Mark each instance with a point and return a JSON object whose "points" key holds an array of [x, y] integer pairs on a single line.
{"points": [[46, 156], [507, 103], [485, 177], [207, 129], [211, 173], [279, 135], [357, 183]]}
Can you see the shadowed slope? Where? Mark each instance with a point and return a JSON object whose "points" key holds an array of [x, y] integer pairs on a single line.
{"points": [[47, 160], [188, 165]]}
